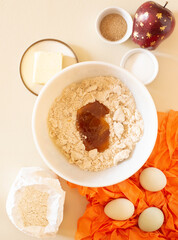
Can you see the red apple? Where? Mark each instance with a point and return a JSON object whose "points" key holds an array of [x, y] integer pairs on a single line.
{"points": [[152, 24]]}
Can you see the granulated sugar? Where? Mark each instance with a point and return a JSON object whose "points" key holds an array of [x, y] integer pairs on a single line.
{"points": [[141, 66]]}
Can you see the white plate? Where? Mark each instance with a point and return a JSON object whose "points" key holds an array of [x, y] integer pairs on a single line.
{"points": [[57, 162], [27, 60]]}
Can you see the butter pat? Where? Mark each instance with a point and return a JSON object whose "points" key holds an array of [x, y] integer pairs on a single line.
{"points": [[46, 65], [35, 202]]}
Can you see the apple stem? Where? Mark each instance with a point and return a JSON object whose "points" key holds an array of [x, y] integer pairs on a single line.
{"points": [[165, 4]]}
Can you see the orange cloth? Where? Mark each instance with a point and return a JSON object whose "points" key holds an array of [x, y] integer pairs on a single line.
{"points": [[95, 225]]}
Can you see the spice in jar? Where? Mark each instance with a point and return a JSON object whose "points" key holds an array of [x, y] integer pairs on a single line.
{"points": [[113, 27]]}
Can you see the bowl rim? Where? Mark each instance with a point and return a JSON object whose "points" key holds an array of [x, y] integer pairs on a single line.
{"points": [[121, 12], [48, 163]]}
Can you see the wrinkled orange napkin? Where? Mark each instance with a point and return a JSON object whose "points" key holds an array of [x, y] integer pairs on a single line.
{"points": [[95, 225]]}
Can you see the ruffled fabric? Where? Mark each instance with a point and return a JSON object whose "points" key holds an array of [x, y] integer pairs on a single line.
{"points": [[95, 225]]}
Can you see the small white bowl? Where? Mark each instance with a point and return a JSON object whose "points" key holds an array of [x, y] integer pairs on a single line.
{"points": [[121, 12], [139, 65], [57, 161]]}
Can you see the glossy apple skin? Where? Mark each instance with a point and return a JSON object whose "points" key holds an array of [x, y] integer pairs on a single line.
{"points": [[152, 24]]}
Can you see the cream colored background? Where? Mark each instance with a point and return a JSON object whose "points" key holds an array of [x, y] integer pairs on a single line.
{"points": [[21, 23]]}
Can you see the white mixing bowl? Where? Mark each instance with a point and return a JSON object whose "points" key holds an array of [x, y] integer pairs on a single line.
{"points": [[57, 162]]}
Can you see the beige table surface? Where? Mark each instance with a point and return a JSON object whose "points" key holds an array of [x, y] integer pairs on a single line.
{"points": [[21, 23]]}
